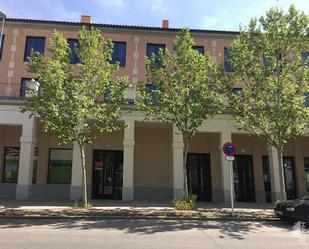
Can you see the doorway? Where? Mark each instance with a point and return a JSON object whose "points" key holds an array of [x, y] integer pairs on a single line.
{"points": [[199, 176], [243, 178], [107, 174]]}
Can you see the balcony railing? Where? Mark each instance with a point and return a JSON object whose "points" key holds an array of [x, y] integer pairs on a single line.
{"points": [[11, 91], [17, 91]]}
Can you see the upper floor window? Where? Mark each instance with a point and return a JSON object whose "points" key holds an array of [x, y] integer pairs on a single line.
{"points": [[154, 49], [199, 49], [237, 91], [22, 91], [34, 43], [304, 56], [73, 56], [119, 53], [1, 47], [307, 99], [227, 64]]}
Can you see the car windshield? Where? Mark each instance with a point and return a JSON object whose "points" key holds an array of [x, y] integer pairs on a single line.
{"points": [[306, 198]]}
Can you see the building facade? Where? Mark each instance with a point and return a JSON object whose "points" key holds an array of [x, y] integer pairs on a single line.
{"points": [[143, 161]]}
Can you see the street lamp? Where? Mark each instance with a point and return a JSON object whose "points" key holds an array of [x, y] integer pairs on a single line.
{"points": [[2, 16]]}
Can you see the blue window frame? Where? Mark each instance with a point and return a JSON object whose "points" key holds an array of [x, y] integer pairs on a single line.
{"points": [[106, 94], [22, 91], [1, 48], [73, 57], [307, 99], [119, 53], [199, 49], [227, 65], [35, 43], [153, 48]]}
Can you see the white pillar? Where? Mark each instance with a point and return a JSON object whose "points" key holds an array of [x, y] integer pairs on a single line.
{"points": [[128, 161], [275, 174], [225, 136], [178, 174], [27, 144], [77, 175]]}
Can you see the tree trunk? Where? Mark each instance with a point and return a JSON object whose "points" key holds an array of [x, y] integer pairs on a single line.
{"points": [[185, 155], [82, 154], [281, 172]]}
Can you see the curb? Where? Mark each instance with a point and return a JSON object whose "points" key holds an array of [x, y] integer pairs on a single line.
{"points": [[115, 217]]}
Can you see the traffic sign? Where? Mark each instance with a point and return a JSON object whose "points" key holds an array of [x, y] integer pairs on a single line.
{"points": [[229, 149]]}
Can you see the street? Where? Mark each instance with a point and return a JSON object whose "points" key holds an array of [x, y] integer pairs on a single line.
{"points": [[150, 233]]}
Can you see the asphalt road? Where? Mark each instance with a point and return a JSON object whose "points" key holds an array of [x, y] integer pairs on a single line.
{"points": [[148, 234]]}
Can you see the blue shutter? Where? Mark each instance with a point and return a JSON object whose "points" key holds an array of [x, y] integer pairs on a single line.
{"points": [[304, 56], [73, 56], [119, 53], [307, 99], [199, 49], [227, 65], [1, 48]]}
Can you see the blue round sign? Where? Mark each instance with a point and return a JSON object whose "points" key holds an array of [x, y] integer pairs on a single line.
{"points": [[229, 149]]}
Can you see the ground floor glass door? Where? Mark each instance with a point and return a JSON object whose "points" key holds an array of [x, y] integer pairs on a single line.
{"points": [[243, 178], [289, 175], [107, 174], [199, 176]]}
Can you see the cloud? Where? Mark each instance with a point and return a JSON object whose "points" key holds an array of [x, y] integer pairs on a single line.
{"points": [[209, 21], [33, 9], [110, 3], [156, 5]]}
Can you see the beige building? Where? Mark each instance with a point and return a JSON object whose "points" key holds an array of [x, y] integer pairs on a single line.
{"points": [[144, 160]]}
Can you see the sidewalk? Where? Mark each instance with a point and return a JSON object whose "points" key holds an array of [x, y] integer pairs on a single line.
{"points": [[134, 209]]}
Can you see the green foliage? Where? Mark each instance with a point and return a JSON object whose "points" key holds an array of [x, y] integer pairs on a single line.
{"points": [[188, 204], [68, 99], [186, 87], [278, 203], [266, 58], [78, 205]]}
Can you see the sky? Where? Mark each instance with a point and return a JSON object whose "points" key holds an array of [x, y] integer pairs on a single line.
{"points": [[194, 14]]}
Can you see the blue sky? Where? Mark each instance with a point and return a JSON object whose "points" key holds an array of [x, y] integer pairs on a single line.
{"points": [[201, 14]]}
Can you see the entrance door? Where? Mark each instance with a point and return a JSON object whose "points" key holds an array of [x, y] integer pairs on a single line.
{"points": [[107, 174], [243, 178], [199, 177], [289, 175]]}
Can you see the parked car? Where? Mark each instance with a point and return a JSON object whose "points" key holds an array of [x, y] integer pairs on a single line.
{"points": [[293, 210]]}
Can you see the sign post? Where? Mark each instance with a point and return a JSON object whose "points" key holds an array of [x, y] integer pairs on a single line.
{"points": [[229, 149]]}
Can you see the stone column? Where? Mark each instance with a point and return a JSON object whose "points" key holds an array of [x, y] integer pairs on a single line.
{"points": [[27, 144], [178, 174], [128, 160], [275, 173], [77, 175], [225, 165]]}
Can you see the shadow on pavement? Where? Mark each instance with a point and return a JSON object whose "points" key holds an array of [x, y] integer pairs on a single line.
{"points": [[232, 229]]}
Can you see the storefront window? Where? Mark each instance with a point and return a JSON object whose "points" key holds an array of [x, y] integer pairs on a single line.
{"points": [[60, 166], [11, 164], [307, 172]]}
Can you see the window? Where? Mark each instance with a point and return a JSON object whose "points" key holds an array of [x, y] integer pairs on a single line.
{"points": [[306, 99], [305, 56], [119, 53], [153, 99], [11, 164], [227, 65], [237, 91], [107, 92], [199, 49], [154, 49], [74, 58], [306, 159], [1, 48], [34, 43], [22, 91], [266, 178], [60, 166]]}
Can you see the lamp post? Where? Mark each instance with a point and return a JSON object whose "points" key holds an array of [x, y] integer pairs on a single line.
{"points": [[2, 16]]}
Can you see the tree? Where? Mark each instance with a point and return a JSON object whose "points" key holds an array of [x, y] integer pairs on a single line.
{"points": [[68, 103], [268, 58], [184, 90]]}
